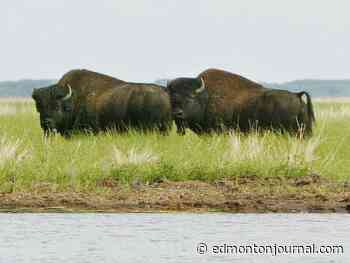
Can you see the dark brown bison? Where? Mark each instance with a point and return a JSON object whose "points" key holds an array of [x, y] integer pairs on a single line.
{"points": [[218, 101], [86, 100]]}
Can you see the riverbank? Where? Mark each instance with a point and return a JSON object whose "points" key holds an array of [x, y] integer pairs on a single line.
{"points": [[150, 172], [246, 194]]}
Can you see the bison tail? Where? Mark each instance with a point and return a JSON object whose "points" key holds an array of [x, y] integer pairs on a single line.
{"points": [[310, 111], [310, 107]]}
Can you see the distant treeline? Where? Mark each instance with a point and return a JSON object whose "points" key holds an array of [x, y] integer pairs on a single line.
{"points": [[22, 88], [317, 88]]}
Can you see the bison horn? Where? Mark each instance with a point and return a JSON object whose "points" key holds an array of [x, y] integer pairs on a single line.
{"points": [[304, 97], [202, 88], [69, 93]]}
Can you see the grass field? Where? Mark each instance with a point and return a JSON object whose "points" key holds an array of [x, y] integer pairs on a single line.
{"points": [[28, 162]]}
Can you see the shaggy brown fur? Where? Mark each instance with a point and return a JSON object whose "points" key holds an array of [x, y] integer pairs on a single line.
{"points": [[228, 101], [100, 102], [229, 94]]}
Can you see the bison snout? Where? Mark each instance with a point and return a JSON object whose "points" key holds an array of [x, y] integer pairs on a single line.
{"points": [[48, 124], [178, 114]]}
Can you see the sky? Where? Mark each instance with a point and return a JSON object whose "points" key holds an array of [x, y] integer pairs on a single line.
{"points": [[144, 40]]}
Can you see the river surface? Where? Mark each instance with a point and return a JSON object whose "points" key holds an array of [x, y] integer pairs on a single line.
{"points": [[172, 237]]}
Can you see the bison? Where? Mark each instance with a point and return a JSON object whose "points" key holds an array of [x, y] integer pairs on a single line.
{"points": [[90, 101], [218, 101]]}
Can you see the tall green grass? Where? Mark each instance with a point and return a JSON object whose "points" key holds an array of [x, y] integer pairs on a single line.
{"points": [[29, 162]]}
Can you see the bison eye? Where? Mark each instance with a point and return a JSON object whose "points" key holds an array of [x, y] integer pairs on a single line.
{"points": [[54, 106], [66, 107]]}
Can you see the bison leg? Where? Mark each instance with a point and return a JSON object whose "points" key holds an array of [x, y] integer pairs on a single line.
{"points": [[180, 125], [164, 128]]}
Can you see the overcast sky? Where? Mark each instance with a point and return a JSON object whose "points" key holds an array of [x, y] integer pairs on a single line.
{"points": [[143, 40]]}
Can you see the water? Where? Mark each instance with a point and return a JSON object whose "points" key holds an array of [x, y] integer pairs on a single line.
{"points": [[166, 237]]}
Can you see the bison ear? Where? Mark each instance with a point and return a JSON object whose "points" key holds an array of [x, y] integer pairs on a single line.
{"points": [[202, 87]]}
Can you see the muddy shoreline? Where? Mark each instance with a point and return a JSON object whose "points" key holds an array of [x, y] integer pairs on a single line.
{"points": [[244, 194]]}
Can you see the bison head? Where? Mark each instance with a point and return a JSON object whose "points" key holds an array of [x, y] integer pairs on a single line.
{"points": [[54, 105], [189, 98]]}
